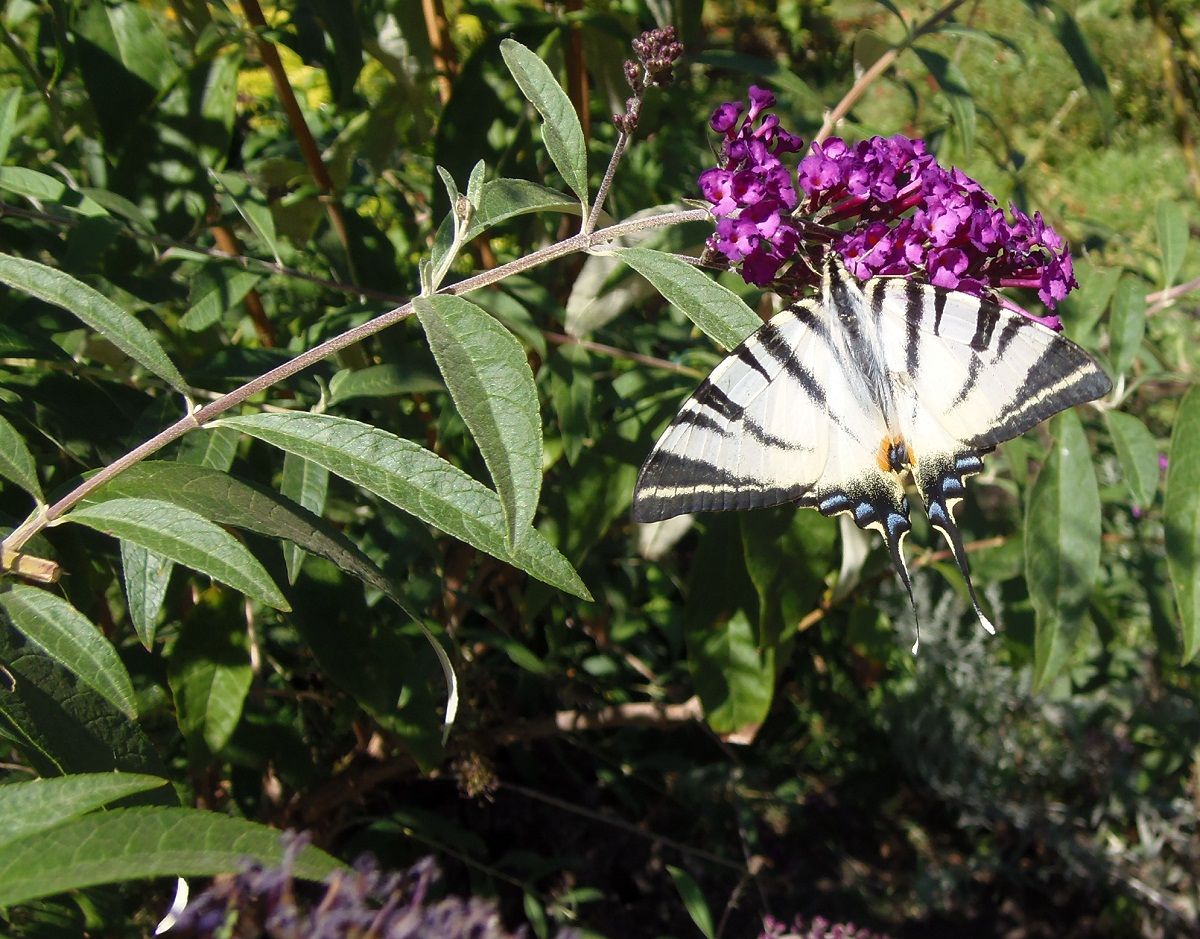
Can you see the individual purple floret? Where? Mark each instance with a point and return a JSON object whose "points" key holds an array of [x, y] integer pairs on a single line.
{"points": [[818, 928], [886, 205], [361, 903]]}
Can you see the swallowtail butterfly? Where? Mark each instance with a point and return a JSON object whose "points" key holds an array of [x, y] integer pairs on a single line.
{"points": [[835, 402]]}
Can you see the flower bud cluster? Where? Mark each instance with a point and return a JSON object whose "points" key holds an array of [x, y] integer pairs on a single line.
{"points": [[657, 50], [886, 204]]}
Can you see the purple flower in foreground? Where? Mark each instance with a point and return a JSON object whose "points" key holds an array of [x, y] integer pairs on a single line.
{"points": [[817, 928], [885, 203], [364, 901]]}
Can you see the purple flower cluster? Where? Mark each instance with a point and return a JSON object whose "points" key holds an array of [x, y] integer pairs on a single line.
{"points": [[819, 928], [752, 191], [886, 205], [362, 902]]}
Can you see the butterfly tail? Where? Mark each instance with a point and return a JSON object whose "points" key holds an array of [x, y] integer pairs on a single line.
{"points": [[942, 494], [887, 513]]}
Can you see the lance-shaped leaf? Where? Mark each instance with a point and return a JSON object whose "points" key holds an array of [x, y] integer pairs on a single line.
{"points": [[227, 500], [1127, 323], [1071, 38], [718, 311], [1172, 238], [560, 128], [488, 377], [953, 84], [1138, 454], [1181, 519], [186, 538], [131, 844], [96, 310], [40, 804], [415, 480], [147, 576], [1062, 546], [305, 484], [209, 673], [70, 638], [16, 462]]}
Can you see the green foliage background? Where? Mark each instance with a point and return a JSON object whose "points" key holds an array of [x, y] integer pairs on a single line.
{"points": [[731, 719]]}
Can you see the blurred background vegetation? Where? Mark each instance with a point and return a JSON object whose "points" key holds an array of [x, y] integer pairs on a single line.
{"points": [[738, 704]]}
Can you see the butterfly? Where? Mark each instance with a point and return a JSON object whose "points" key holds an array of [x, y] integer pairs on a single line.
{"points": [[836, 403]]}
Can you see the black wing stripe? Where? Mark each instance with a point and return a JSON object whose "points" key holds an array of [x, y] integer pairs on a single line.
{"points": [[747, 357], [710, 396], [986, 319], [703, 421], [1014, 325], [914, 309], [776, 346], [939, 307]]}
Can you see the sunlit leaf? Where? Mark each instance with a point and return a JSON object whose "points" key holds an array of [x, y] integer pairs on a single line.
{"points": [[561, 130], [693, 900], [305, 484], [1172, 238], [1062, 546], [94, 309], [186, 538], [718, 311], [488, 375], [1138, 454], [1127, 323], [415, 480], [16, 462], [40, 804], [132, 844], [1181, 519], [70, 638]]}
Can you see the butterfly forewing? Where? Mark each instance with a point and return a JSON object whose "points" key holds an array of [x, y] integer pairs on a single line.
{"points": [[757, 432]]}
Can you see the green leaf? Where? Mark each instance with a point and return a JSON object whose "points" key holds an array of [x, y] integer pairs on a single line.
{"points": [[10, 104], [718, 311], [70, 638], [214, 291], [1138, 453], [488, 376], [381, 381], [415, 480], [1127, 322], [227, 500], [16, 462], [94, 309], [571, 392], [186, 538], [40, 804], [147, 576], [798, 92], [61, 725], [214, 447], [1070, 37], [502, 199], [1172, 238], [1181, 519], [118, 205], [953, 84], [209, 673], [734, 678], [132, 844], [1062, 546], [693, 900], [306, 484], [34, 185], [561, 130]]}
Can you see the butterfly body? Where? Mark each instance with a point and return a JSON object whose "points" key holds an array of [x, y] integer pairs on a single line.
{"points": [[837, 402]]}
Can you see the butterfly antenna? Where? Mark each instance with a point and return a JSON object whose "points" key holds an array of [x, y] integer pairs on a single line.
{"points": [[941, 518]]}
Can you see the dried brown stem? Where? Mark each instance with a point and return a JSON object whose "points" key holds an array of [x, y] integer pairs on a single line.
{"points": [[295, 117], [444, 59]]}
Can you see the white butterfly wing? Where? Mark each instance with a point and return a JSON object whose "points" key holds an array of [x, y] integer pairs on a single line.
{"points": [[773, 423]]}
